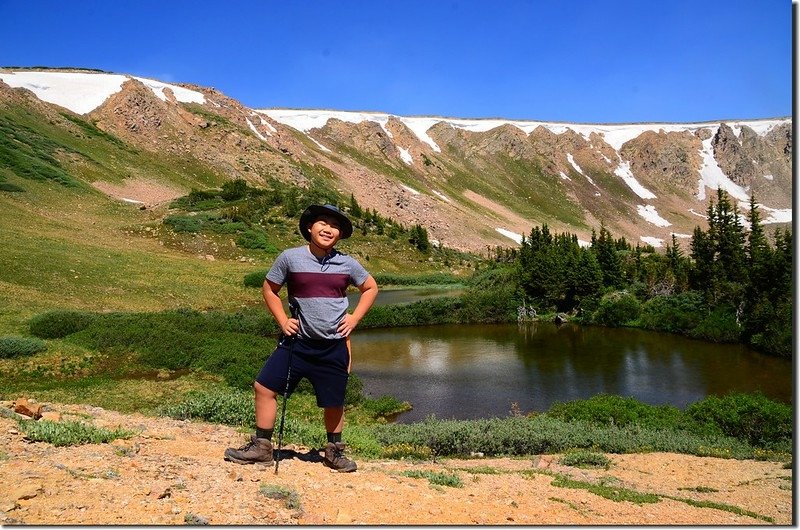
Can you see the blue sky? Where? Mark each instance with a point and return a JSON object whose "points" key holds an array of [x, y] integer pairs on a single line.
{"points": [[586, 61]]}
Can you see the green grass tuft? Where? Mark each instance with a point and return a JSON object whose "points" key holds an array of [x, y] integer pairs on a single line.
{"points": [[67, 433]]}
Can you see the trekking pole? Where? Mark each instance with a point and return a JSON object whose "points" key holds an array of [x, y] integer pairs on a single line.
{"points": [[285, 399]]}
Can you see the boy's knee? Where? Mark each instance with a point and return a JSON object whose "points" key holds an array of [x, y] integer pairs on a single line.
{"points": [[262, 391]]}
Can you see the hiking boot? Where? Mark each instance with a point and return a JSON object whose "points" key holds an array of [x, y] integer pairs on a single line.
{"points": [[257, 450], [335, 459]]}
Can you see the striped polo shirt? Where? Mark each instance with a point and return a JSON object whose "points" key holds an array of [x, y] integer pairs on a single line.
{"points": [[317, 286]]}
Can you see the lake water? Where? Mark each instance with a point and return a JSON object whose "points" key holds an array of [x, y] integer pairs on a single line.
{"points": [[481, 371]]}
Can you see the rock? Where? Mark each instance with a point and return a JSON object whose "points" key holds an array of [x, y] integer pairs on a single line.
{"points": [[26, 491], [51, 415], [26, 408], [194, 519]]}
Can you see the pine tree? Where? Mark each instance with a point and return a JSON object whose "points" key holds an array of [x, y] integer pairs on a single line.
{"points": [[355, 209], [608, 259]]}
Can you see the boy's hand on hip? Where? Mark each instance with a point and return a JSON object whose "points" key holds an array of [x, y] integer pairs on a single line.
{"points": [[347, 325], [290, 327]]}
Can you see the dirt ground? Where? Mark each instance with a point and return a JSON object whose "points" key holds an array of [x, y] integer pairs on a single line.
{"points": [[173, 473]]}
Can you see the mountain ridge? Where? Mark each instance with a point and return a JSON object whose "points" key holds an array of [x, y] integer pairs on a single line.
{"points": [[472, 182]]}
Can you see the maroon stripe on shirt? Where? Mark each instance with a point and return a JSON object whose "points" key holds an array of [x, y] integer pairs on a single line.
{"points": [[317, 284]]}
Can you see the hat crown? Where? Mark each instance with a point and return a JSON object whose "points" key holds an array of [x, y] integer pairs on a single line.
{"points": [[315, 210]]}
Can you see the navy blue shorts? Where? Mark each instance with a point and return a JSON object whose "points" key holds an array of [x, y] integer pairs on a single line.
{"points": [[323, 362]]}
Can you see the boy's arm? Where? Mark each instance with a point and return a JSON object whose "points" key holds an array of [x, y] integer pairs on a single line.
{"points": [[289, 326], [369, 291]]}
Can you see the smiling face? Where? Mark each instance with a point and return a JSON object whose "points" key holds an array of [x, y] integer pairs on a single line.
{"points": [[325, 232]]}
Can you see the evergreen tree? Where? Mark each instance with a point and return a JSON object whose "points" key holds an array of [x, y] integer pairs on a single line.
{"points": [[610, 263], [355, 209]]}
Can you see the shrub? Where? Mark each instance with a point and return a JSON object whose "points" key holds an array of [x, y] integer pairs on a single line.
{"points": [[234, 190], [11, 188], [719, 326], [354, 393], [384, 406], [13, 346], [606, 409], [585, 459], [749, 417], [401, 451], [59, 323], [290, 497], [184, 223], [617, 309], [438, 478], [434, 278], [255, 239], [677, 313], [255, 279], [66, 433], [229, 407]]}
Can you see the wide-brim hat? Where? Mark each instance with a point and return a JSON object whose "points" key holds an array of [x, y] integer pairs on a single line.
{"points": [[316, 210]]}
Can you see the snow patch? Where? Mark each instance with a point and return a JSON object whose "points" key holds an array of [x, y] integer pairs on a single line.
{"points": [[184, 95], [681, 236], [769, 177], [405, 156], [564, 175], [253, 128], [412, 190], [579, 170], [512, 235], [441, 196], [268, 125], [654, 241], [83, 92], [712, 176], [650, 214], [776, 215], [623, 171]]}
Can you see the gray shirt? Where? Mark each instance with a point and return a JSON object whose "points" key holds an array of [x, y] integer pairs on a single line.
{"points": [[317, 287]]}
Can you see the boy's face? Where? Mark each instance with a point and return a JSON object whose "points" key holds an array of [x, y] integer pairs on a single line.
{"points": [[325, 232]]}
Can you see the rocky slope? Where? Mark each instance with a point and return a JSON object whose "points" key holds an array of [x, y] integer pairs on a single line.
{"points": [[471, 183], [172, 472]]}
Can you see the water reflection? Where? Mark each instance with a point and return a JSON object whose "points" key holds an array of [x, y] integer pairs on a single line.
{"points": [[480, 371]]}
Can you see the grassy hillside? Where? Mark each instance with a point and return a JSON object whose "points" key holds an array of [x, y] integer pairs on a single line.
{"points": [[64, 244]]}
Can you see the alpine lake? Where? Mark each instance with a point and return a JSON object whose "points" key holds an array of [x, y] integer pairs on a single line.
{"points": [[485, 371]]}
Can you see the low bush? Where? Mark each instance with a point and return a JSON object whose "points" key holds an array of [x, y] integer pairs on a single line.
{"points": [[229, 407], [11, 188], [718, 326], [617, 309], [438, 478], [585, 459], [256, 239], [13, 346], [184, 223], [608, 409], [434, 278], [750, 417], [66, 433], [443, 310], [59, 323], [384, 406], [290, 497], [255, 279], [677, 313]]}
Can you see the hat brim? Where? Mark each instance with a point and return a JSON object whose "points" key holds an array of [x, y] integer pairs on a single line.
{"points": [[315, 210]]}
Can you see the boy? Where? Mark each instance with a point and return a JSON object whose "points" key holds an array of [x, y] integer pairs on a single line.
{"points": [[317, 276]]}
